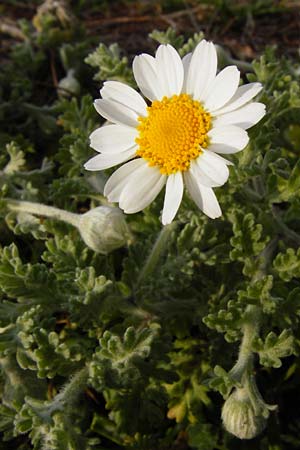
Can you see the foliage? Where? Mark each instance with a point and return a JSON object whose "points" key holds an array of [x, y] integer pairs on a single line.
{"points": [[95, 357], [110, 64]]}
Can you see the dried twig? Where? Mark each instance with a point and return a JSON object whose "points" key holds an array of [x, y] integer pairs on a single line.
{"points": [[168, 18]]}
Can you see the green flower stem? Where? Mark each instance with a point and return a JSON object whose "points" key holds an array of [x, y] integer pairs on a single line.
{"points": [[103, 229], [242, 65], [156, 252], [225, 59], [252, 320], [69, 394], [250, 330], [64, 403], [245, 402], [43, 210]]}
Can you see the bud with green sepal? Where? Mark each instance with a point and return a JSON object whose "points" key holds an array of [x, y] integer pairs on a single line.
{"points": [[245, 413]]}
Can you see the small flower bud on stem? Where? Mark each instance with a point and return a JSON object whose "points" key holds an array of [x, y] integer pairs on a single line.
{"points": [[69, 85], [239, 416], [244, 412], [103, 229]]}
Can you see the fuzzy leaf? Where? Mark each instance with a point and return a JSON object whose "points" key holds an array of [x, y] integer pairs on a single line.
{"points": [[119, 361], [274, 347], [248, 239], [26, 282], [16, 161], [287, 264], [110, 64]]}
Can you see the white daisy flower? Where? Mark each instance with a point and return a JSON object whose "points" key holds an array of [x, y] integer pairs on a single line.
{"points": [[194, 115]]}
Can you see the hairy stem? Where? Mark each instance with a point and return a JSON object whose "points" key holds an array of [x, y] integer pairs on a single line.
{"points": [[69, 394], [75, 386], [43, 210], [252, 320], [156, 252], [250, 330], [242, 65]]}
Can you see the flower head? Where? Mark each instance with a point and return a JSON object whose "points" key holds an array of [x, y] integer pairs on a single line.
{"points": [[194, 114], [103, 229], [239, 415]]}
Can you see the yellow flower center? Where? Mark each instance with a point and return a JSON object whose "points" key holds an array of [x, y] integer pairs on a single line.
{"points": [[173, 133]]}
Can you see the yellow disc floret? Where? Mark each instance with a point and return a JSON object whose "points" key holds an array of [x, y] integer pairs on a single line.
{"points": [[173, 133]]}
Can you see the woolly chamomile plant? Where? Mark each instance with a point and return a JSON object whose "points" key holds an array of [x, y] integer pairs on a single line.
{"points": [[115, 331], [195, 114]]}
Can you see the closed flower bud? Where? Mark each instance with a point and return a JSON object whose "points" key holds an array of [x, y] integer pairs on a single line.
{"points": [[103, 229], [68, 85], [239, 416]]}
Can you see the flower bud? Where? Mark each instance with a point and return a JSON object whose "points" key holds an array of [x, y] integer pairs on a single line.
{"points": [[69, 85], [239, 416], [104, 229]]}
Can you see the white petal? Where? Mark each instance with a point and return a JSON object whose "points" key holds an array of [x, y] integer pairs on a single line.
{"points": [[225, 161], [222, 148], [142, 188], [145, 73], [244, 117], [209, 170], [113, 138], [173, 197], [203, 196], [242, 96], [116, 113], [118, 180], [169, 70], [202, 69], [222, 88], [230, 136], [186, 60], [125, 95], [106, 160]]}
